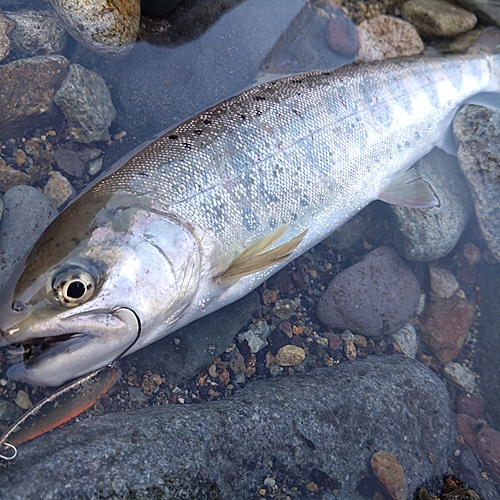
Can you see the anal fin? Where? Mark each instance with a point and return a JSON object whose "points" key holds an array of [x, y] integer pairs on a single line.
{"points": [[255, 258], [409, 190]]}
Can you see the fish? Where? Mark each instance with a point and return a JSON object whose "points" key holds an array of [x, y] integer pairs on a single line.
{"points": [[205, 212]]}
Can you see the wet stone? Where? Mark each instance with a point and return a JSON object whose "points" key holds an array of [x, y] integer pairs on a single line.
{"points": [[70, 162], [374, 297], [27, 213], [349, 350], [386, 37], [30, 84], [36, 33], [23, 400], [386, 397], [8, 411], [488, 11], [290, 355], [58, 189], [443, 283], [86, 103], [256, 336], [10, 177], [284, 308], [109, 32], [438, 17], [460, 376], [6, 26], [390, 475], [342, 35], [445, 326], [477, 131], [406, 340], [429, 234], [471, 405]]}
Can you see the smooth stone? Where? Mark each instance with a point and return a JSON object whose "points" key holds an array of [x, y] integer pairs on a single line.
{"points": [[9, 411], [429, 234], [107, 31], [6, 25], [487, 11], [10, 177], [438, 17], [36, 33], [223, 449], [374, 297], [390, 475], [477, 131], [460, 44], [469, 471], [31, 85], [386, 37], [186, 352], [290, 355], [342, 34], [86, 103], [27, 213]]}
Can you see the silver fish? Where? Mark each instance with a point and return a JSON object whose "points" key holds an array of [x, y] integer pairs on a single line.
{"points": [[203, 214]]}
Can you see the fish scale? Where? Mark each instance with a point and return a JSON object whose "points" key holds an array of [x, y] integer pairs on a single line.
{"points": [[201, 215]]}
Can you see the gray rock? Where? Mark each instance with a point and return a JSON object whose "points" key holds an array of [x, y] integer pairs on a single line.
{"points": [[86, 103], [460, 376], [186, 352], [27, 88], [27, 212], [477, 131], [429, 234], [469, 472], [256, 336], [324, 424], [36, 33], [9, 412], [406, 340], [374, 297], [488, 11], [70, 162]]}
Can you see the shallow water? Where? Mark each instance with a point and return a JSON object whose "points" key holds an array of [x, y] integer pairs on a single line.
{"points": [[198, 55]]}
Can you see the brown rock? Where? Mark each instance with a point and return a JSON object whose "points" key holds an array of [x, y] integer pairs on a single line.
{"points": [[483, 440], [390, 475], [470, 405], [446, 324], [290, 355], [6, 26], [10, 177], [385, 37], [342, 34], [58, 189], [438, 17], [28, 88]]}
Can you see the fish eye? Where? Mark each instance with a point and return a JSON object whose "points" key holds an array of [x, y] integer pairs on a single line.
{"points": [[73, 287]]}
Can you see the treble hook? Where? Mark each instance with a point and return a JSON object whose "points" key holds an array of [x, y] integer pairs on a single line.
{"points": [[8, 445]]}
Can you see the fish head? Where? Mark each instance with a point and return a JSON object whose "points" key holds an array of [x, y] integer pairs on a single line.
{"points": [[125, 279]]}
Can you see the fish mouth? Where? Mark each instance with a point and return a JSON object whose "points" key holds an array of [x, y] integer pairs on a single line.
{"points": [[45, 346]]}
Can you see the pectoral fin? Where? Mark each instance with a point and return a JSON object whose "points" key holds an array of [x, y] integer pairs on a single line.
{"points": [[409, 190], [255, 258]]}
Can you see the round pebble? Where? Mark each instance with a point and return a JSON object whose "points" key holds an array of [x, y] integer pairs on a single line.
{"points": [[58, 189], [390, 475], [290, 355], [23, 400]]}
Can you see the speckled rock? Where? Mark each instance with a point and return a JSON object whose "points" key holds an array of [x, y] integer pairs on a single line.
{"points": [[445, 326], [477, 130], [385, 37], [108, 28], [438, 17], [390, 475], [429, 234], [470, 472], [443, 283], [6, 26], [460, 44], [58, 189], [460, 375], [256, 336], [86, 103], [225, 449], [36, 33], [290, 355], [9, 412], [10, 177], [189, 350], [31, 85], [406, 340], [374, 297], [27, 213]]}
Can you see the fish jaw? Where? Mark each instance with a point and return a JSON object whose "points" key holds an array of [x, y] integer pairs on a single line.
{"points": [[84, 342]]}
